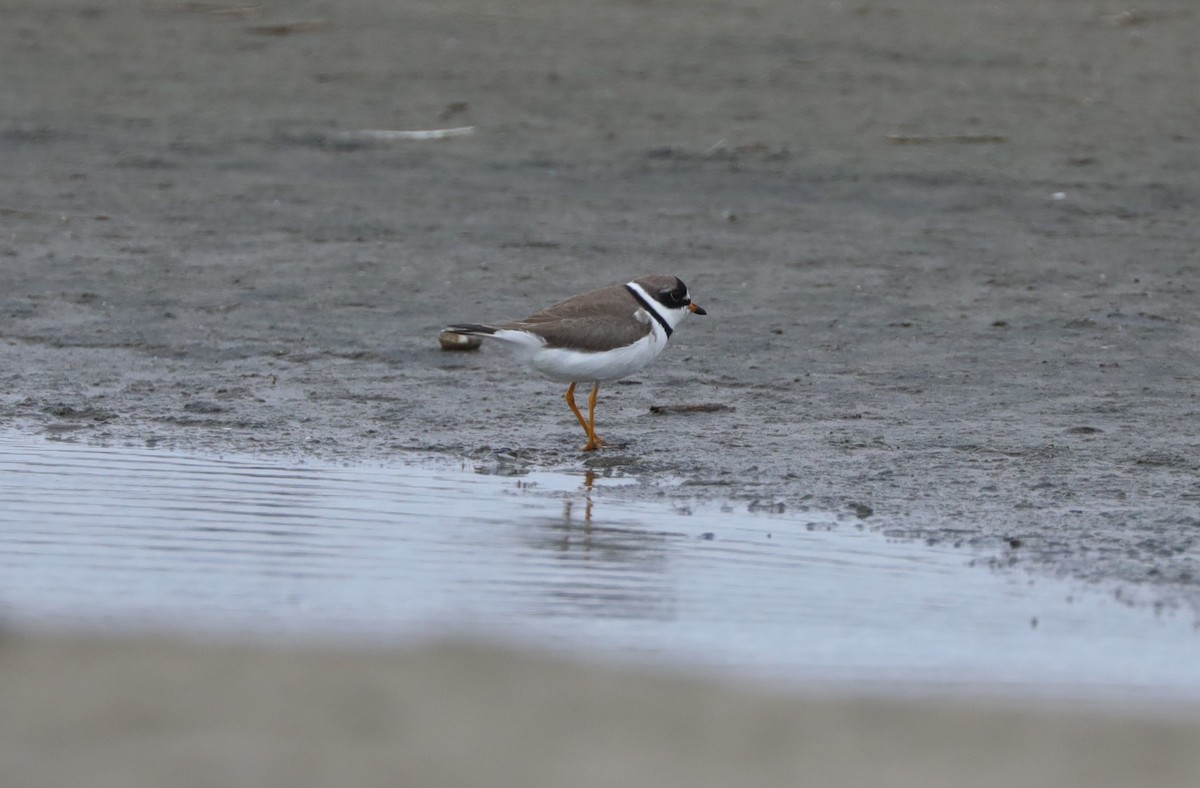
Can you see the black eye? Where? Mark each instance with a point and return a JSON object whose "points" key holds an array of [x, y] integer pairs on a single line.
{"points": [[674, 296]]}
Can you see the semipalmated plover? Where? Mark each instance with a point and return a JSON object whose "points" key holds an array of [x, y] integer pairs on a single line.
{"points": [[596, 336]]}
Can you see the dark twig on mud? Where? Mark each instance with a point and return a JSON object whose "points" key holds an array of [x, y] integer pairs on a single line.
{"points": [[959, 139], [703, 407]]}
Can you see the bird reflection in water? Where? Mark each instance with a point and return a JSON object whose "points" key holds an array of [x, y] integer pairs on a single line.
{"points": [[589, 481], [606, 563], [587, 531]]}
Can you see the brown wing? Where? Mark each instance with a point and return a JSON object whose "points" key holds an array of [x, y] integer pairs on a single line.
{"points": [[597, 320], [590, 333]]}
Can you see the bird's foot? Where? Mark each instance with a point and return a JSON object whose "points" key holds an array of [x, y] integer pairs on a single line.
{"points": [[594, 442]]}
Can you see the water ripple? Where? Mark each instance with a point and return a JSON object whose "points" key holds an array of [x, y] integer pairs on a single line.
{"points": [[135, 538]]}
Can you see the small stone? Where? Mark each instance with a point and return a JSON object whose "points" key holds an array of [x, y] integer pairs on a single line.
{"points": [[449, 340]]}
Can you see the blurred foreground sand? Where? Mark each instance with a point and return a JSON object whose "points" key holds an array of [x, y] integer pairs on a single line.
{"points": [[136, 713]]}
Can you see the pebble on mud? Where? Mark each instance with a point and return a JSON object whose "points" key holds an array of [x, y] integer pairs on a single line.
{"points": [[861, 510], [452, 341]]}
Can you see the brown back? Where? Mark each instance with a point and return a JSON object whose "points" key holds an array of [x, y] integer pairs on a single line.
{"points": [[586, 321]]}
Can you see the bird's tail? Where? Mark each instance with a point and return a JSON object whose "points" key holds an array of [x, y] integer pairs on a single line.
{"points": [[471, 329]]}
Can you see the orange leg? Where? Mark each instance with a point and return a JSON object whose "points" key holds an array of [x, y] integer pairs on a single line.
{"points": [[596, 439], [593, 443]]}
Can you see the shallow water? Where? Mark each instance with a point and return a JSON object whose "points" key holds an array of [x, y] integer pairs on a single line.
{"points": [[129, 538]]}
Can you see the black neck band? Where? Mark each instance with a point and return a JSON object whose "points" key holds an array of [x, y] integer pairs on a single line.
{"points": [[662, 321]]}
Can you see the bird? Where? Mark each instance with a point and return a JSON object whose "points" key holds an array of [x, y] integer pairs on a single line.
{"points": [[595, 337]]}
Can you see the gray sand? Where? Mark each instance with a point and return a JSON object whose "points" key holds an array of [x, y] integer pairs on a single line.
{"points": [[164, 714]]}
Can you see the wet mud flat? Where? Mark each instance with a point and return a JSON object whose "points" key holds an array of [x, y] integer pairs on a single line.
{"points": [[949, 253]]}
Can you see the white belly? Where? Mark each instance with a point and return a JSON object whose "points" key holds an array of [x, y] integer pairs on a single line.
{"points": [[575, 366]]}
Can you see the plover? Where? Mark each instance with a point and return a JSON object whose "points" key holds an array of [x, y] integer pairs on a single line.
{"points": [[596, 336]]}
